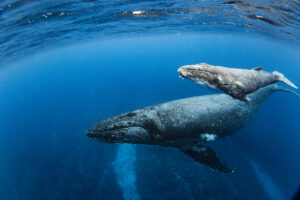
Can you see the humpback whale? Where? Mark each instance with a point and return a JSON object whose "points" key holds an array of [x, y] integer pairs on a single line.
{"points": [[187, 124], [235, 82]]}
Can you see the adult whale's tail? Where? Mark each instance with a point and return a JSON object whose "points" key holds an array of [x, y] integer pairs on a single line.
{"points": [[280, 88], [282, 78]]}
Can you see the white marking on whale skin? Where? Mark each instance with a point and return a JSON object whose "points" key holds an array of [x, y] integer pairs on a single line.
{"points": [[240, 84], [209, 137], [125, 171], [205, 84], [138, 12]]}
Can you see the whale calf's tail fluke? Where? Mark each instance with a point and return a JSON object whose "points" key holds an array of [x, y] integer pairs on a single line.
{"points": [[280, 88], [282, 78]]}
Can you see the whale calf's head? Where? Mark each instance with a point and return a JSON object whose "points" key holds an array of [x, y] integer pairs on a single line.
{"points": [[203, 74], [125, 128]]}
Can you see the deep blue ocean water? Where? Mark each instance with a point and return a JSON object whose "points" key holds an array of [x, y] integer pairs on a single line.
{"points": [[54, 87]]}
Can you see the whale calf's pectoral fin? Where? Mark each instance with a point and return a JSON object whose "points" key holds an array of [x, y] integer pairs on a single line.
{"points": [[257, 68], [205, 155]]}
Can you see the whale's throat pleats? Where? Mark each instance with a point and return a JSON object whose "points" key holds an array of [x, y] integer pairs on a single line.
{"points": [[205, 155]]}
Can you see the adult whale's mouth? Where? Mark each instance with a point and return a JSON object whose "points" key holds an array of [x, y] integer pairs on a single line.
{"points": [[122, 135], [125, 128]]}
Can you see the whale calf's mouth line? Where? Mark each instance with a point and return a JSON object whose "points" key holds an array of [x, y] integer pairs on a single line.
{"points": [[197, 70]]}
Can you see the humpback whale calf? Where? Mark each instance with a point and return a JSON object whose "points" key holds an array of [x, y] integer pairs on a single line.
{"points": [[235, 82], [187, 124]]}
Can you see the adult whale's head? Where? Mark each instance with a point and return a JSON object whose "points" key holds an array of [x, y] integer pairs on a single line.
{"points": [[132, 127]]}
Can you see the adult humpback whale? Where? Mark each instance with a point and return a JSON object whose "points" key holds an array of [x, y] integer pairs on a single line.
{"points": [[187, 124], [235, 82]]}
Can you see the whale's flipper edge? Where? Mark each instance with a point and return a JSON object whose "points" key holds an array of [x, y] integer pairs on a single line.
{"points": [[205, 155], [282, 78]]}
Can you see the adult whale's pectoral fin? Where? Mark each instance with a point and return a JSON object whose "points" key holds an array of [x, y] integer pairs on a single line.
{"points": [[205, 155], [257, 68]]}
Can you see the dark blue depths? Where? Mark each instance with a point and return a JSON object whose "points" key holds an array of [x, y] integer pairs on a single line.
{"points": [[50, 100]]}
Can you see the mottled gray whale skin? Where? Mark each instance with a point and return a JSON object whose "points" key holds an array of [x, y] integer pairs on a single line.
{"points": [[187, 124], [235, 82]]}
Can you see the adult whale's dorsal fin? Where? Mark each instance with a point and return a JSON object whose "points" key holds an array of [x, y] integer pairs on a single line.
{"points": [[205, 155], [257, 68]]}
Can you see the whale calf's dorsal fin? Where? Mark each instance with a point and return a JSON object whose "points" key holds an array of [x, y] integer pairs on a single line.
{"points": [[205, 155], [257, 68]]}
